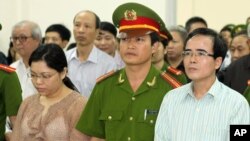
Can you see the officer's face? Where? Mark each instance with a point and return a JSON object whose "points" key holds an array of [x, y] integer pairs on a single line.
{"points": [[198, 64], [84, 28], [158, 56], [47, 81], [136, 50]]}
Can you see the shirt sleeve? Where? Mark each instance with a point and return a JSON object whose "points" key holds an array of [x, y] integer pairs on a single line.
{"points": [[162, 128], [74, 113], [89, 122], [16, 134], [241, 113], [12, 94]]}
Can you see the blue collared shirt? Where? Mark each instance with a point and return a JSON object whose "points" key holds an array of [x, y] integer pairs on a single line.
{"points": [[184, 118], [84, 74]]}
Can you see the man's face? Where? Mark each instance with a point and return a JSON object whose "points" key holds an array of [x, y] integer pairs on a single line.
{"points": [[84, 28], [200, 67], [54, 37], [136, 50], [106, 42], [158, 56], [239, 47], [23, 41], [175, 46]]}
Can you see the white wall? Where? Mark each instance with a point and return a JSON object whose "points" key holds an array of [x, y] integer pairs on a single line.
{"points": [[216, 12], [46, 12]]}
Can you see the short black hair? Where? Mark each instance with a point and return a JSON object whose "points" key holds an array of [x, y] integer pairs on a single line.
{"points": [[63, 31], [107, 26], [219, 46], [192, 20]]}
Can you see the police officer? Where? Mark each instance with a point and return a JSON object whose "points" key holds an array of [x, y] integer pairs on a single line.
{"points": [[159, 62], [10, 96], [124, 104]]}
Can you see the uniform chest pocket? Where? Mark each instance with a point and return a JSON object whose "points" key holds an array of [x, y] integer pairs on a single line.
{"points": [[148, 117], [112, 121], [146, 123]]}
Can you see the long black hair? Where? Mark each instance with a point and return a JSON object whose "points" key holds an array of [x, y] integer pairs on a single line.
{"points": [[54, 57]]}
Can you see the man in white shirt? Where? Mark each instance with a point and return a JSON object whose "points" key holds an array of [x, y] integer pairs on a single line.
{"points": [[203, 109], [86, 62], [26, 37]]}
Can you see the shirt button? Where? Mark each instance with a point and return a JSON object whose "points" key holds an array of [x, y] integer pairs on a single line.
{"points": [[129, 138], [130, 118], [151, 121], [133, 98], [109, 117]]}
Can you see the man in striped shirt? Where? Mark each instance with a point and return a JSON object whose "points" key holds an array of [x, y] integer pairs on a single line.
{"points": [[205, 108]]}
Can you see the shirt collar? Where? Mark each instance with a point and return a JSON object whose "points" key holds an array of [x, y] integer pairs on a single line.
{"points": [[92, 56], [213, 91]]}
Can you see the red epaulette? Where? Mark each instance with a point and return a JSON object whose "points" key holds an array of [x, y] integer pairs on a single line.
{"points": [[172, 81], [174, 70], [99, 79], [248, 82], [7, 68]]}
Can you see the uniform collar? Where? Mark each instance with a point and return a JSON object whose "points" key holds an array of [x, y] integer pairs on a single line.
{"points": [[165, 66], [149, 82]]}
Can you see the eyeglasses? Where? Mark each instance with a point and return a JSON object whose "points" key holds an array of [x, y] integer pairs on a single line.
{"points": [[43, 76], [19, 38], [199, 53]]}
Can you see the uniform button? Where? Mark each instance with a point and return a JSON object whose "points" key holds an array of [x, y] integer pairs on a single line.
{"points": [[133, 98], [129, 139], [130, 118], [109, 117], [151, 121]]}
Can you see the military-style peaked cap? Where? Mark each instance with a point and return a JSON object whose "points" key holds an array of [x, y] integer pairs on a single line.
{"points": [[165, 35], [238, 28], [132, 16]]}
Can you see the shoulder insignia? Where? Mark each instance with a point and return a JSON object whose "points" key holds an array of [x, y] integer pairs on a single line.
{"points": [[152, 83], [248, 82], [174, 70], [99, 79], [172, 81], [7, 68], [120, 79]]}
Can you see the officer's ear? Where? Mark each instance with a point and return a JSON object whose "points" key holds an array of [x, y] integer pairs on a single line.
{"points": [[155, 47]]}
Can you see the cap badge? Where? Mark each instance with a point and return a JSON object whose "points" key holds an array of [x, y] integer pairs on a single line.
{"points": [[130, 15]]}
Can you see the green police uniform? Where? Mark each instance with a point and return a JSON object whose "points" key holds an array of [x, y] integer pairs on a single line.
{"points": [[247, 92], [10, 96], [177, 74], [116, 113]]}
